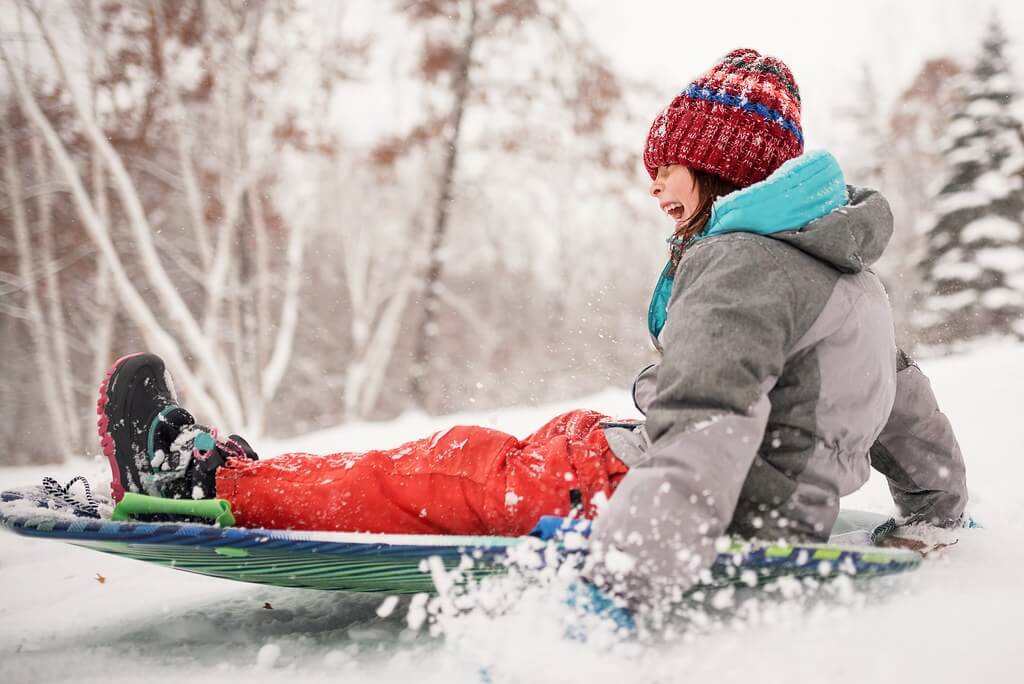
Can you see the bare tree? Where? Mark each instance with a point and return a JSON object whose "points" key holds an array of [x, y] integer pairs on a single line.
{"points": [[230, 371], [460, 87], [459, 40], [206, 202], [38, 325]]}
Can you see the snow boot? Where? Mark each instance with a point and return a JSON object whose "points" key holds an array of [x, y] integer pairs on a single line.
{"points": [[154, 445]]}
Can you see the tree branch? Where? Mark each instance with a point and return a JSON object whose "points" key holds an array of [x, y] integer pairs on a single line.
{"points": [[143, 316], [282, 353], [184, 147], [36, 320], [192, 335]]}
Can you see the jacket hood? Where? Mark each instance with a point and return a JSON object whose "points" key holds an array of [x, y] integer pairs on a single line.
{"points": [[807, 204]]}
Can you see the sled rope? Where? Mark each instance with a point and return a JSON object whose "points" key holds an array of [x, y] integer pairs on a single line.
{"points": [[64, 496]]}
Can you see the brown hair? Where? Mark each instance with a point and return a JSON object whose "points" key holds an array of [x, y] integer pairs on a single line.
{"points": [[709, 188]]}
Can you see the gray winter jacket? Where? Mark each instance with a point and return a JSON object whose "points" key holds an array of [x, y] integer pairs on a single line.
{"points": [[779, 385]]}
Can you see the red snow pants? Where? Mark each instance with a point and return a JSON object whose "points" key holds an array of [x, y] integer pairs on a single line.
{"points": [[467, 480]]}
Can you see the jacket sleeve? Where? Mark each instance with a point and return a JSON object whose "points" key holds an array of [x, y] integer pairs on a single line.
{"points": [[729, 325], [918, 452]]}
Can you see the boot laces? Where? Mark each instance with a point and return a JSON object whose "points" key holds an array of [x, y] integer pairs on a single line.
{"points": [[63, 497]]}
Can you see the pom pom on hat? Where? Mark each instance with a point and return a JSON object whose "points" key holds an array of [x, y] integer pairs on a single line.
{"points": [[739, 121]]}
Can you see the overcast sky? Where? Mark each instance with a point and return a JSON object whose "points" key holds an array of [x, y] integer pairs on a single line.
{"points": [[825, 43]]}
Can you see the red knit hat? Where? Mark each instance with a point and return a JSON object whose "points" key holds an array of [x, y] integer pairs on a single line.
{"points": [[739, 121]]}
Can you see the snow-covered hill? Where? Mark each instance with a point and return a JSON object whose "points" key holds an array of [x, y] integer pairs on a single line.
{"points": [[70, 614]]}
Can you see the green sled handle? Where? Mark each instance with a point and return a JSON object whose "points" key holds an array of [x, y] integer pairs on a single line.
{"points": [[217, 510]]}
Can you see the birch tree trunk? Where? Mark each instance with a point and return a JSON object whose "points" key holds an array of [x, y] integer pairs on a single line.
{"points": [[158, 338], [37, 323], [63, 372], [166, 294], [105, 308], [262, 322], [276, 366], [435, 264], [379, 302]]}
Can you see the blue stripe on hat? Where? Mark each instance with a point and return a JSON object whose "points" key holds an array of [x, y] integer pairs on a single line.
{"points": [[695, 92]]}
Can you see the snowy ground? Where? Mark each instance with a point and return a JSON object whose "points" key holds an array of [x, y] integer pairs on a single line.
{"points": [[70, 614]]}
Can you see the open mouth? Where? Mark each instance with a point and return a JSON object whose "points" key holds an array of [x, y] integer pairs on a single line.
{"points": [[676, 210]]}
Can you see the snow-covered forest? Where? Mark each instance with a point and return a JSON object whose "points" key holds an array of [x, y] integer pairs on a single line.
{"points": [[312, 223], [324, 212], [346, 224]]}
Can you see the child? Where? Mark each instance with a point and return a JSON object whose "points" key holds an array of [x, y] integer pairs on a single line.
{"points": [[779, 382]]}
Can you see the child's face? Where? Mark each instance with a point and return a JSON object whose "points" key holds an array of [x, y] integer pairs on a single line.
{"points": [[675, 188]]}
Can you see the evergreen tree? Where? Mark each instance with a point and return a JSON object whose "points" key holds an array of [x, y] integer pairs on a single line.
{"points": [[973, 266], [912, 164]]}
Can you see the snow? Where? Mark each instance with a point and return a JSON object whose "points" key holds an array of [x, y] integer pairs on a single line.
{"points": [[1001, 297], [1008, 259], [995, 228], [955, 270], [268, 656], [996, 184], [984, 107], [947, 204], [1016, 282], [1001, 83], [69, 614], [973, 152], [961, 126], [954, 301], [387, 607]]}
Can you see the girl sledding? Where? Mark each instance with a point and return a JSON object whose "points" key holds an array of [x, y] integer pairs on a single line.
{"points": [[778, 387]]}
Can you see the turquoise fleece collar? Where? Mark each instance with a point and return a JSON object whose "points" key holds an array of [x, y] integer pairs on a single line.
{"points": [[800, 191]]}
